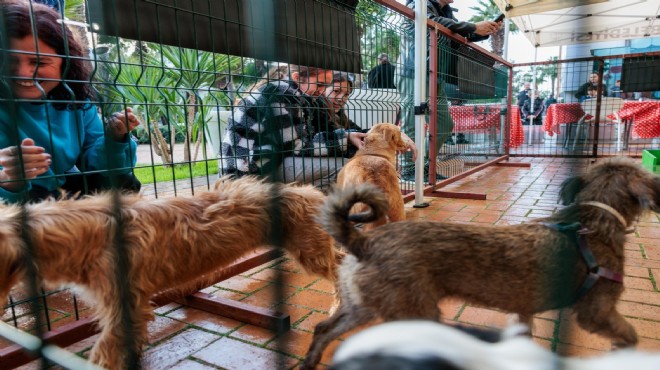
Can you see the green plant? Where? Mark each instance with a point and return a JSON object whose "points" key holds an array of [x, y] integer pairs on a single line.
{"points": [[192, 72], [147, 90], [487, 10]]}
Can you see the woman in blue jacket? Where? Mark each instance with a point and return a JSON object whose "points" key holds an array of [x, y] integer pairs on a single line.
{"points": [[47, 118]]}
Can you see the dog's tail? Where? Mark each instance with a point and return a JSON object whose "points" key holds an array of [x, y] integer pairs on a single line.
{"points": [[336, 219]]}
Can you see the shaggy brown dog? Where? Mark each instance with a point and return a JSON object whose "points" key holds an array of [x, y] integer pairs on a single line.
{"points": [[169, 241], [401, 270], [375, 163]]}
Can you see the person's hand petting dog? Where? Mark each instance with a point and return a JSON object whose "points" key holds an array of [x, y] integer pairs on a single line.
{"points": [[485, 28], [357, 139], [121, 123], [411, 145]]}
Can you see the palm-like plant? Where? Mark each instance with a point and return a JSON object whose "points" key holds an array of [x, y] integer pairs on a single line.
{"points": [[74, 10], [148, 91], [191, 72], [551, 71], [487, 10]]}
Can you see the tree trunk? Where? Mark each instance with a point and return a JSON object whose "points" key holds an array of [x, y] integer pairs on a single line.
{"points": [[497, 42], [159, 142], [200, 133], [190, 121]]}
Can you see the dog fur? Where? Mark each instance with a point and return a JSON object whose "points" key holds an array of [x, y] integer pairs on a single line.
{"points": [[375, 163], [427, 345], [401, 270], [170, 242]]}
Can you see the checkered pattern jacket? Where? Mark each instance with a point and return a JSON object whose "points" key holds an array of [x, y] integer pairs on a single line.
{"points": [[274, 122]]}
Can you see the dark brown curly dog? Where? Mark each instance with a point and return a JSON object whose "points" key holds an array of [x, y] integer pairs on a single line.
{"points": [[401, 270]]}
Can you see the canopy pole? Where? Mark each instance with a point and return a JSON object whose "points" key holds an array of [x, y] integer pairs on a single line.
{"points": [[420, 96], [532, 98]]}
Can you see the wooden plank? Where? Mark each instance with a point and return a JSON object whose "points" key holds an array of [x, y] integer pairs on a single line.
{"points": [[239, 311], [66, 335], [15, 356], [513, 164], [239, 266], [456, 195]]}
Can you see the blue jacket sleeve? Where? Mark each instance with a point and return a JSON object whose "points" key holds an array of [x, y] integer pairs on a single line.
{"points": [[100, 152]]}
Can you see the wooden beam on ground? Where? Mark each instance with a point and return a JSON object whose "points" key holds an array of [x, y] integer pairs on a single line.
{"points": [[513, 164], [456, 195], [239, 266], [431, 189], [66, 335], [238, 311]]}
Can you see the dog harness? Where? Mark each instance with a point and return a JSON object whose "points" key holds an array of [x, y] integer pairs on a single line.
{"points": [[595, 271]]}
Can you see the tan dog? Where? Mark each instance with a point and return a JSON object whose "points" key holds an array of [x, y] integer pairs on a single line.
{"points": [[401, 270], [375, 163], [170, 242]]}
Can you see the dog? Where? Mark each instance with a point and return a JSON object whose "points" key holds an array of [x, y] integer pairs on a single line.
{"points": [[375, 163], [169, 242], [428, 345], [401, 270]]}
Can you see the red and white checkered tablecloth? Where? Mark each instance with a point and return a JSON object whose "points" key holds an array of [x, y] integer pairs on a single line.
{"points": [[559, 113], [470, 118], [645, 116]]}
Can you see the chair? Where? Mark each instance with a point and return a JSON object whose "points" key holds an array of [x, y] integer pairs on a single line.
{"points": [[608, 106]]}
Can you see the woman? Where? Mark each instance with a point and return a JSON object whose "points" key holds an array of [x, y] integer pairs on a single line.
{"points": [[47, 118], [337, 96], [594, 81]]}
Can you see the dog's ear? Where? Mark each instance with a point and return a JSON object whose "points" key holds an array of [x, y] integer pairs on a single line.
{"points": [[570, 189]]}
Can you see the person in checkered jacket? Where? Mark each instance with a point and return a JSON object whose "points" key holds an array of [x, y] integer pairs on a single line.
{"points": [[279, 120]]}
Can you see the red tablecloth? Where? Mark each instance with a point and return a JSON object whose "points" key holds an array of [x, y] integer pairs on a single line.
{"points": [[559, 113], [469, 118], [645, 116]]}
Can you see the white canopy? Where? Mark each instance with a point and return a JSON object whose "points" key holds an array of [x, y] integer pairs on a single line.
{"points": [[563, 22]]}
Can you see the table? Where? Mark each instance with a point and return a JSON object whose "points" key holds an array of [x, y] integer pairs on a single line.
{"points": [[645, 118], [559, 113], [482, 117]]}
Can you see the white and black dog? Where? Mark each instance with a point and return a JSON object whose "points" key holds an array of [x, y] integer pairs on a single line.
{"points": [[428, 345]]}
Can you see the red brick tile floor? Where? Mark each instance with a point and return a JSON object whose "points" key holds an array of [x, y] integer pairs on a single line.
{"points": [[186, 338]]}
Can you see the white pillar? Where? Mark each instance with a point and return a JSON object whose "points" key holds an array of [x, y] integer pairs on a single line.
{"points": [[530, 140], [420, 95]]}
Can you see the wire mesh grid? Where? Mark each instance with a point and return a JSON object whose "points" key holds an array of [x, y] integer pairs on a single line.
{"points": [[191, 70], [581, 110]]}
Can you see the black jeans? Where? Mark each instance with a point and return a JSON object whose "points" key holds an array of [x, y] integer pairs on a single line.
{"points": [[77, 185]]}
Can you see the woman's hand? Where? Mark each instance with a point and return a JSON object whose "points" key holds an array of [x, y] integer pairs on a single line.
{"points": [[121, 123], [411, 145], [356, 138], [35, 162]]}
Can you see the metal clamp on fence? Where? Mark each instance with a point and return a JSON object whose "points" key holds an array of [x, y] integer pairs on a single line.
{"points": [[422, 108]]}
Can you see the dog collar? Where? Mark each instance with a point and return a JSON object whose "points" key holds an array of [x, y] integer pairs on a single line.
{"points": [[611, 210]]}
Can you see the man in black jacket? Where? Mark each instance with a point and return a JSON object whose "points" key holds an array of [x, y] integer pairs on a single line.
{"points": [[382, 75], [438, 11]]}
